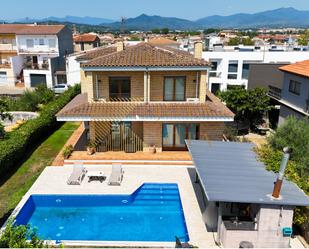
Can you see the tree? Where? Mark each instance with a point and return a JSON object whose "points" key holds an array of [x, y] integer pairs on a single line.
{"points": [[303, 39], [234, 41], [247, 41], [248, 105], [156, 31], [294, 133], [165, 31], [210, 30], [17, 237]]}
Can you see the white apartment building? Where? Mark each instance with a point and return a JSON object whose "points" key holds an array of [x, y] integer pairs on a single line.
{"points": [[230, 67], [37, 54]]}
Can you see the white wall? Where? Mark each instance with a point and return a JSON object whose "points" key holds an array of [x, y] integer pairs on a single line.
{"points": [[49, 77], [37, 48], [17, 64], [246, 57], [72, 70]]}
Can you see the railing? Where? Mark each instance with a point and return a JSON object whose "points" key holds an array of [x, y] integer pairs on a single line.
{"points": [[124, 140], [36, 66], [120, 99], [7, 47], [274, 92], [5, 65]]}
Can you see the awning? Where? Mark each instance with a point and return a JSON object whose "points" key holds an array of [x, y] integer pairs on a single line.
{"points": [[230, 172]]}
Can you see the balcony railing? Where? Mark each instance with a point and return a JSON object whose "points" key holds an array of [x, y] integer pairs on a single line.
{"points": [[7, 47], [214, 74], [5, 65], [274, 92], [36, 66]]}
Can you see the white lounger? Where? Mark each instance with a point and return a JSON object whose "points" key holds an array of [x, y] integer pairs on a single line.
{"points": [[116, 175], [78, 174]]}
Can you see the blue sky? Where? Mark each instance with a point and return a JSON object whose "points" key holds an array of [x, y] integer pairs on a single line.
{"points": [[114, 9]]}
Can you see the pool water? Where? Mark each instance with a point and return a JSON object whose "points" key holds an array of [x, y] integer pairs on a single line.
{"points": [[152, 213]]}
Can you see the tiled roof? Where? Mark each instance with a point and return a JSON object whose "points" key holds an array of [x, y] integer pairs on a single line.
{"points": [[85, 38], [300, 68], [97, 52], [161, 41], [147, 55], [79, 107], [30, 29]]}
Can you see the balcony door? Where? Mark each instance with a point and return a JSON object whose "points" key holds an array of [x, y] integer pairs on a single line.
{"points": [[174, 135], [119, 88], [174, 88]]}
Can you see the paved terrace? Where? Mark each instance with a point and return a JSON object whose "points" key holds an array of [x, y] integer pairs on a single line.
{"points": [[53, 181]]}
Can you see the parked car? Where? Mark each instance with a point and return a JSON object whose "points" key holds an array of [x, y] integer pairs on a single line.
{"points": [[60, 88]]}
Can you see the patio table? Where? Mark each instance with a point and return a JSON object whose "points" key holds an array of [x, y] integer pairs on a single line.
{"points": [[96, 176]]}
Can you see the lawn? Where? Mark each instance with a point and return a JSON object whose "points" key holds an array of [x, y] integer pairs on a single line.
{"points": [[13, 189]]}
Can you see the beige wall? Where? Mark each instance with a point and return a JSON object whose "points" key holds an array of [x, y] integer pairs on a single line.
{"points": [[137, 84], [151, 132]]}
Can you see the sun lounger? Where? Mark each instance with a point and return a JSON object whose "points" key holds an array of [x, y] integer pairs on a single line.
{"points": [[116, 175], [77, 174]]}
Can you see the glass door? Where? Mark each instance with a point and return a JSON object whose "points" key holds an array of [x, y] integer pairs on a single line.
{"points": [[174, 135]]}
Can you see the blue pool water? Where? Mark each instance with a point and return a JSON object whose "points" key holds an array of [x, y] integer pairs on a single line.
{"points": [[152, 213]]}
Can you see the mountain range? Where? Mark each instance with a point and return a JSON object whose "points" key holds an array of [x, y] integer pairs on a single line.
{"points": [[283, 17]]}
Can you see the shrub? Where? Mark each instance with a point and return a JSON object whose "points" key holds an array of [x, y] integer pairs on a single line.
{"points": [[67, 151], [21, 141], [17, 237]]}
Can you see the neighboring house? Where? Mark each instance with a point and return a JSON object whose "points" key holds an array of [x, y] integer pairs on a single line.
{"points": [[73, 62], [34, 54], [295, 91], [144, 97], [230, 67], [85, 42]]}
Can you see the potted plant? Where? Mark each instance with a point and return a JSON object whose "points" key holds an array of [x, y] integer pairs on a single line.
{"points": [[91, 147], [67, 151], [153, 149]]}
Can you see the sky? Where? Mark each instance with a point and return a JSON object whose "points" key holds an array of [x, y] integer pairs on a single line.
{"points": [[114, 9]]}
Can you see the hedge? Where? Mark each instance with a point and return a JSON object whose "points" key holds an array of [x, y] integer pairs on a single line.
{"points": [[20, 141]]}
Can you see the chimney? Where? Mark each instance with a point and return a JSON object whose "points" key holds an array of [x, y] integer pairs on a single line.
{"points": [[284, 163], [198, 50], [120, 46]]}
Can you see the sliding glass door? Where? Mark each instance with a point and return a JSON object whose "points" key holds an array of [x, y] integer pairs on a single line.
{"points": [[174, 135]]}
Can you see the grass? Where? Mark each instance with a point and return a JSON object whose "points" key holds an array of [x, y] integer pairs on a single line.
{"points": [[13, 189]]}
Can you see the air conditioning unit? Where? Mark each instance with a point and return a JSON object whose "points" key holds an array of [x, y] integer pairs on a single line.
{"points": [[193, 100]]}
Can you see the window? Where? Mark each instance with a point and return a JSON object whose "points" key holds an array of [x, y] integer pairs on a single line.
{"points": [[174, 88], [174, 135], [232, 87], [245, 71], [119, 87], [294, 87], [233, 68], [52, 43], [213, 70], [215, 88], [3, 77], [30, 43], [41, 42]]}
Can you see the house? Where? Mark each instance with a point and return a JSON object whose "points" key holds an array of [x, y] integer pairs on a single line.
{"points": [[230, 65], [73, 62], [34, 54], [241, 202], [295, 91], [85, 42], [146, 98]]}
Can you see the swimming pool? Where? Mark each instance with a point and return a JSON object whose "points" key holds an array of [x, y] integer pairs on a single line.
{"points": [[152, 213]]}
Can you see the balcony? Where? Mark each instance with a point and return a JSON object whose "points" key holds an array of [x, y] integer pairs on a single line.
{"points": [[5, 64], [36, 66], [7, 47], [274, 92]]}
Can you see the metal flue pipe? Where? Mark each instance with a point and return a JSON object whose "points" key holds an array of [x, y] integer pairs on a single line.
{"points": [[284, 163]]}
